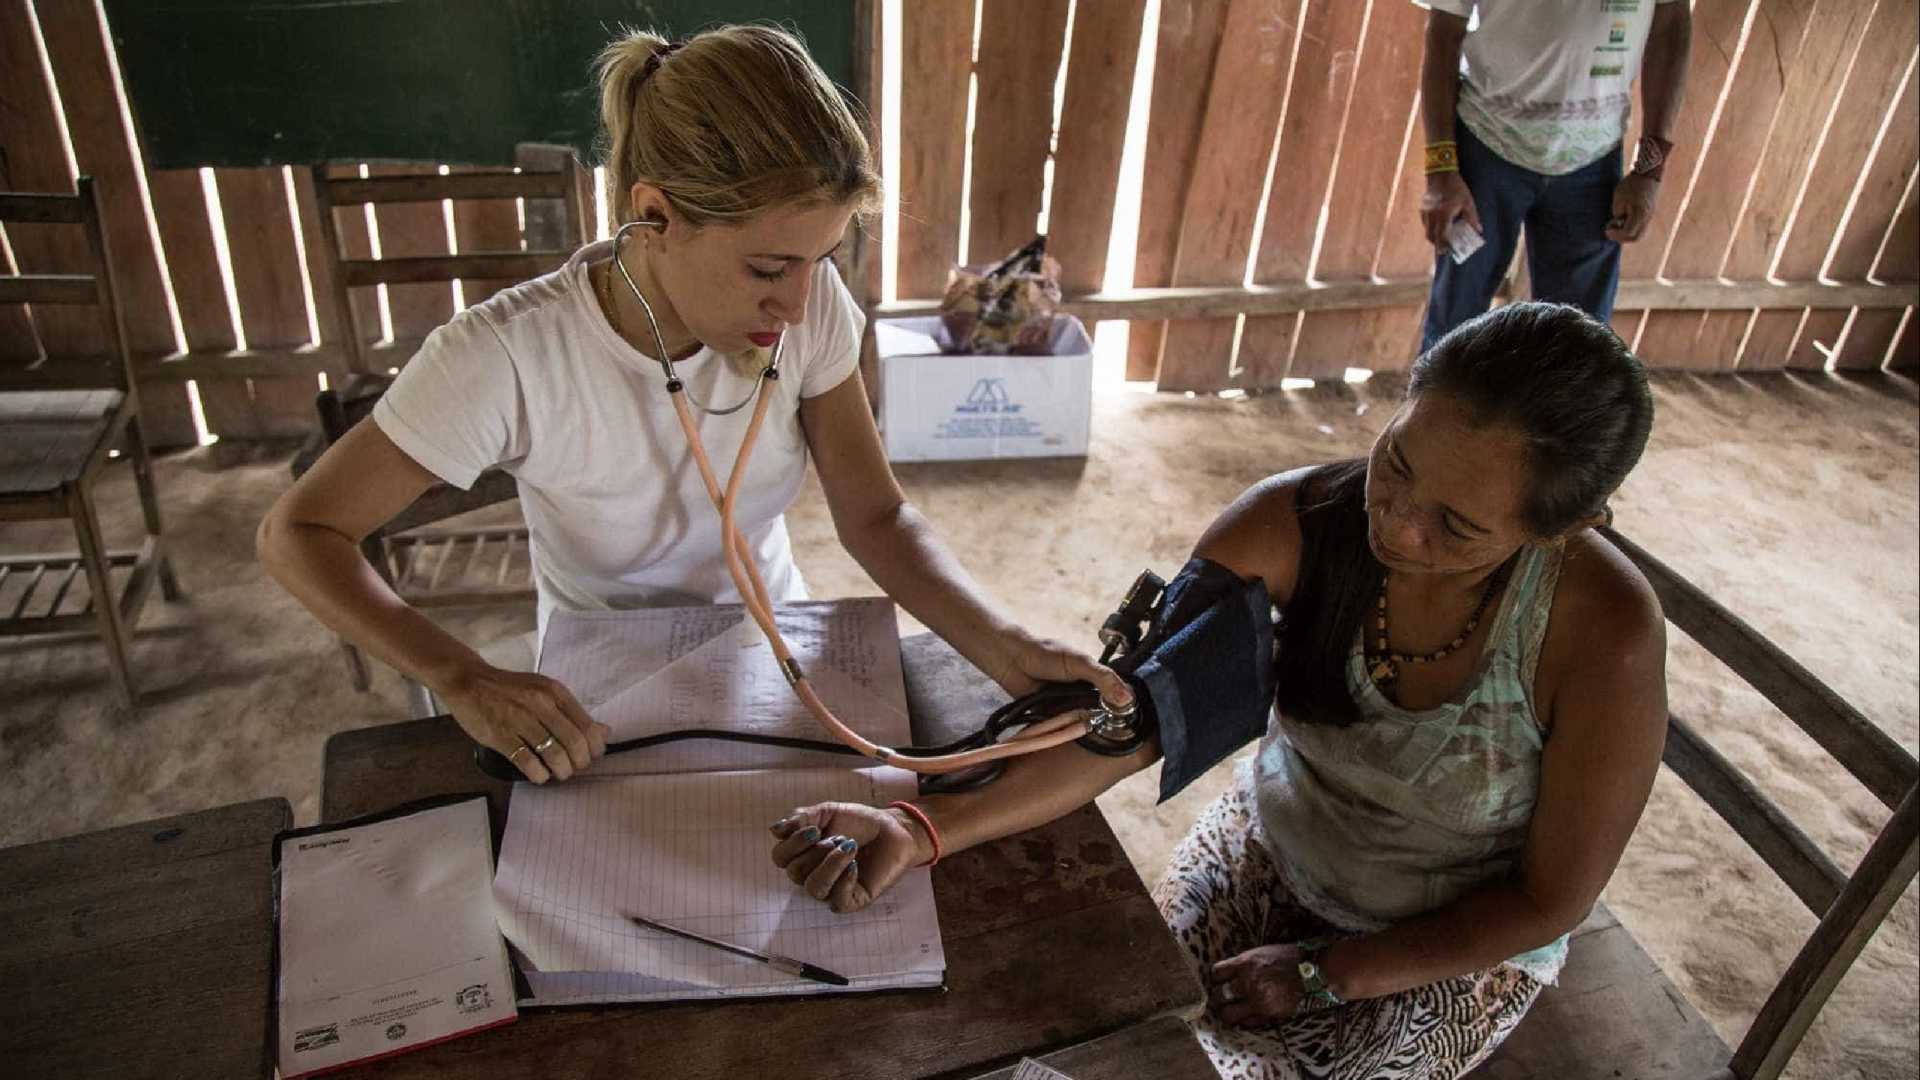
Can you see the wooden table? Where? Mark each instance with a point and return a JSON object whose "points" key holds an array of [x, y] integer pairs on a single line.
{"points": [[143, 950], [1051, 941]]}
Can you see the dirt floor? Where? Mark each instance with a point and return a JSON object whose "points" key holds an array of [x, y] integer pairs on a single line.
{"points": [[1791, 499]]}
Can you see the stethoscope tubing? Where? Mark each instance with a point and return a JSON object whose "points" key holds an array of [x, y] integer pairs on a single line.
{"points": [[983, 748], [747, 581]]}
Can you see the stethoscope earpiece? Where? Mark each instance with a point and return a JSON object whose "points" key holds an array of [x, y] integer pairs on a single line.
{"points": [[675, 386]]}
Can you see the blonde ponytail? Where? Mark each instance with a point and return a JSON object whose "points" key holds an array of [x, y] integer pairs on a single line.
{"points": [[727, 124]]}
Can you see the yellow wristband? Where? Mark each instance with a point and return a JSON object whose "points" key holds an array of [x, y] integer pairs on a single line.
{"points": [[1442, 157]]}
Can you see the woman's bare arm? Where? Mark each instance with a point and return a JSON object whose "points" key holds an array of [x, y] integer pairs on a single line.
{"points": [[310, 543]]}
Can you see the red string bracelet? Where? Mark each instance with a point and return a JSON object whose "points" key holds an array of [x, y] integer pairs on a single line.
{"points": [[933, 834]]}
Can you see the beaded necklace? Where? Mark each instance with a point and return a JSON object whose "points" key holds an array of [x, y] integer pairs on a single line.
{"points": [[1384, 664]]}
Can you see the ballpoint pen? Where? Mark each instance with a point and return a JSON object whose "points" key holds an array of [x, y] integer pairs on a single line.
{"points": [[782, 963]]}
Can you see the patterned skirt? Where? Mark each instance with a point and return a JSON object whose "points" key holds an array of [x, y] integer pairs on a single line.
{"points": [[1223, 896]]}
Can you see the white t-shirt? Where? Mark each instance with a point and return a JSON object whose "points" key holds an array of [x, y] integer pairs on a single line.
{"points": [[1548, 84], [534, 380]]}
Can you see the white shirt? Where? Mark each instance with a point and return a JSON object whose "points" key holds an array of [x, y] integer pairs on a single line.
{"points": [[535, 381], [1548, 84]]}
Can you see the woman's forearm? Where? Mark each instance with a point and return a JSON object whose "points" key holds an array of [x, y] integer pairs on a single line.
{"points": [[327, 573], [907, 559], [1479, 930], [1034, 789]]}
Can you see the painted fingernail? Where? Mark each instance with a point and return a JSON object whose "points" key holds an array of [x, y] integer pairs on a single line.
{"points": [[810, 834], [779, 828], [848, 844]]}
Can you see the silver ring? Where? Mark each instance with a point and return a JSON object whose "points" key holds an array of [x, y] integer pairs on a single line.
{"points": [[523, 748], [546, 746]]}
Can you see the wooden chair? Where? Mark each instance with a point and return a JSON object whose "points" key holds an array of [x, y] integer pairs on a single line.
{"points": [[60, 420], [1615, 1014], [416, 561]]}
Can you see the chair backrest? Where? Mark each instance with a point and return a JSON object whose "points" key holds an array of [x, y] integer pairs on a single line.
{"points": [[1849, 908], [94, 287], [564, 185]]}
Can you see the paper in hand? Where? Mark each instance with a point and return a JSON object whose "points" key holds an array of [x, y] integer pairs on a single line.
{"points": [[1463, 240]]}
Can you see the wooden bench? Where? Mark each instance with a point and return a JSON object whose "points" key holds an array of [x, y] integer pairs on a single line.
{"points": [[1615, 1015]]}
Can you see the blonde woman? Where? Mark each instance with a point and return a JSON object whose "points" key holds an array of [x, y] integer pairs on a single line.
{"points": [[735, 168]]}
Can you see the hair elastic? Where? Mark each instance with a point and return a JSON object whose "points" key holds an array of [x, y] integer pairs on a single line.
{"points": [[653, 62]]}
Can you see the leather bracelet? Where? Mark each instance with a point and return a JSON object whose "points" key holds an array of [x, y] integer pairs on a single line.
{"points": [[933, 834], [1650, 157], [1443, 156]]}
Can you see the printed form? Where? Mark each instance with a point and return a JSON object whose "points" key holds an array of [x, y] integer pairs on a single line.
{"points": [[387, 937]]}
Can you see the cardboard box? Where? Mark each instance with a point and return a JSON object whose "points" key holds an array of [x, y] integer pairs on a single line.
{"points": [[940, 407]]}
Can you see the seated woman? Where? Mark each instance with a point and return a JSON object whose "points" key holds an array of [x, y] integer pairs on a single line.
{"points": [[1470, 709], [734, 169]]}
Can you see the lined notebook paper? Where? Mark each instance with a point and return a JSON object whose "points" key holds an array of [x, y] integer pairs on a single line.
{"points": [[679, 833], [665, 669]]}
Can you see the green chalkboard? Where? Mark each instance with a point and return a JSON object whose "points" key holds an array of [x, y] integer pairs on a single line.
{"points": [[261, 82]]}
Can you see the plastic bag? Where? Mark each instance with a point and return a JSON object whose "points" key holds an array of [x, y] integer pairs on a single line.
{"points": [[1007, 308]]}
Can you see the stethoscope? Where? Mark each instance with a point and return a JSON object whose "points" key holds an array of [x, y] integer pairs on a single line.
{"points": [[1037, 721]]}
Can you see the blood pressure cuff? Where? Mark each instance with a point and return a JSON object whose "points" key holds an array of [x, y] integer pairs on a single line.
{"points": [[1207, 679]]}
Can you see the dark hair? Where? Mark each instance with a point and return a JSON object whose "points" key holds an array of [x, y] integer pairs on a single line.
{"points": [[1572, 389]]}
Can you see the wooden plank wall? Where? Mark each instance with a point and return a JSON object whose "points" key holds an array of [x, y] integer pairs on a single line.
{"points": [[67, 112], [1222, 200], [1780, 173], [1186, 41], [1795, 162], [103, 148]]}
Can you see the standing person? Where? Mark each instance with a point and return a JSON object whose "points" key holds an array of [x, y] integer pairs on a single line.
{"points": [[1468, 712], [1524, 118], [735, 167]]}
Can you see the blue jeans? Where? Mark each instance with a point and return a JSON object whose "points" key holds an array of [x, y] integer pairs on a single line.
{"points": [[1569, 257]]}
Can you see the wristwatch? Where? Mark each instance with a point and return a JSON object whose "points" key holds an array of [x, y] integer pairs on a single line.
{"points": [[1315, 994]]}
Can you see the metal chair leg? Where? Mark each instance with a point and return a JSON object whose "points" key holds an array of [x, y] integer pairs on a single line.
{"points": [[106, 606]]}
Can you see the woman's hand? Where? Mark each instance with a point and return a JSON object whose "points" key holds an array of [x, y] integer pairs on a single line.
{"points": [[533, 720], [1027, 661], [847, 854], [1258, 988]]}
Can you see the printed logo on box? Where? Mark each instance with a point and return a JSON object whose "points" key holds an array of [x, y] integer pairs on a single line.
{"points": [[988, 396]]}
